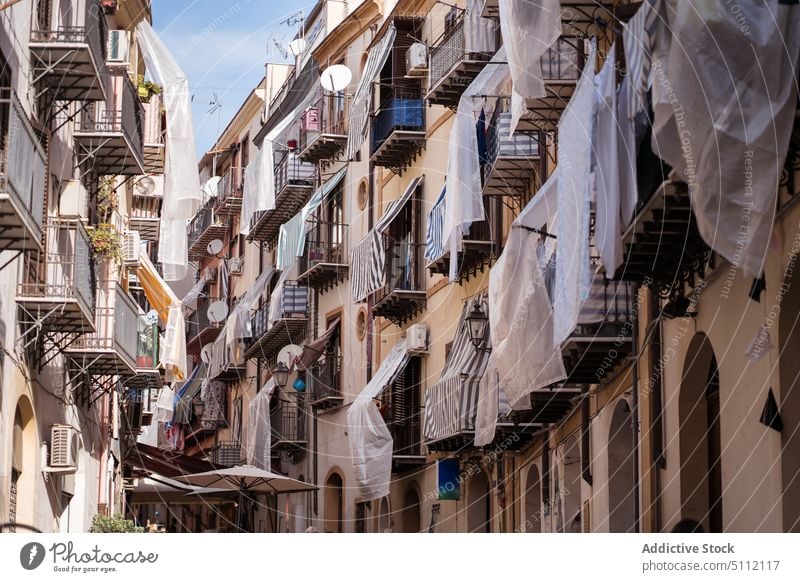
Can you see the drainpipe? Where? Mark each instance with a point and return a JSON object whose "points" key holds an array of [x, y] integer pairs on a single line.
{"points": [[635, 420]]}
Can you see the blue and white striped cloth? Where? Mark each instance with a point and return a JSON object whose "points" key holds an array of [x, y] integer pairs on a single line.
{"points": [[638, 41], [434, 241]]}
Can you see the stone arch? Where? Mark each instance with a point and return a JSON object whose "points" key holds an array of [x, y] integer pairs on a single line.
{"points": [[334, 503], [532, 519], [478, 503], [412, 520], [25, 450]]}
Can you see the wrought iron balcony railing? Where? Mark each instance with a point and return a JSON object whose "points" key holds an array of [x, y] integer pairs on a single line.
{"points": [[325, 261], [403, 295], [324, 381], [323, 128]]}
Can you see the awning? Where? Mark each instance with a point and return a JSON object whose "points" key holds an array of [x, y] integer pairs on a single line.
{"points": [[368, 270], [371, 443], [314, 350], [452, 403], [167, 463], [166, 303], [292, 240], [434, 243], [303, 85], [185, 393], [362, 101]]}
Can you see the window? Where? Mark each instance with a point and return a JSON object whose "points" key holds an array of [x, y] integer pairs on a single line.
{"points": [[400, 408], [362, 513]]}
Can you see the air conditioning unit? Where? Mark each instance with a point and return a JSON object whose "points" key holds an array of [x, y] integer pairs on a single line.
{"points": [[417, 339], [118, 47], [236, 266], [64, 447], [417, 60], [74, 199], [209, 275], [131, 248]]}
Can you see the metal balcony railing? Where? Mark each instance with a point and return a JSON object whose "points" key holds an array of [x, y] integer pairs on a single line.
{"points": [[404, 268], [292, 171], [198, 321], [147, 345], [324, 378], [22, 162], [403, 111], [325, 117], [522, 144], [293, 304], [326, 243], [146, 207], [88, 27], [205, 217], [449, 49], [564, 60], [289, 419], [153, 131], [227, 453], [68, 268], [117, 327], [231, 185], [124, 115]]}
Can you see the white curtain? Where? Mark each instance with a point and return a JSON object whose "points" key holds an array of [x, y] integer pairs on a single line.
{"points": [[258, 450], [528, 28], [480, 34], [259, 175], [575, 146], [371, 443], [181, 179], [724, 97], [463, 197], [520, 312]]}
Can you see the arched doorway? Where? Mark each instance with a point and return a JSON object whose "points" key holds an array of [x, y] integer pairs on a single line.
{"points": [[478, 509], [23, 466], [533, 502], [700, 439], [789, 341], [621, 478], [411, 509], [571, 487], [385, 516], [334, 504]]}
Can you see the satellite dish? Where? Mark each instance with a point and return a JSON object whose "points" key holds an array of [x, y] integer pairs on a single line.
{"points": [[205, 353], [217, 312], [215, 247], [297, 46], [145, 186], [336, 78], [211, 187], [289, 354]]}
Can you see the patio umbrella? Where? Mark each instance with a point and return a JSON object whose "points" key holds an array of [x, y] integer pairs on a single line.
{"points": [[247, 480]]}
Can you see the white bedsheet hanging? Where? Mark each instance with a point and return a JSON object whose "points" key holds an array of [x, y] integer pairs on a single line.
{"points": [[520, 312], [480, 34], [181, 180], [575, 144], [371, 443], [258, 450], [724, 98], [528, 28]]}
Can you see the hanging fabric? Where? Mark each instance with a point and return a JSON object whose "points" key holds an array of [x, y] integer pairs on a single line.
{"points": [[575, 147], [181, 180], [434, 244], [368, 257], [520, 312], [258, 450], [637, 37], [371, 443], [291, 239], [608, 228], [451, 404], [362, 99], [723, 121], [480, 34], [528, 28], [214, 395], [315, 349], [628, 148]]}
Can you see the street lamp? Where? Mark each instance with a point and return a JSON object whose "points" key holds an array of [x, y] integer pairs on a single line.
{"points": [[477, 324], [281, 375]]}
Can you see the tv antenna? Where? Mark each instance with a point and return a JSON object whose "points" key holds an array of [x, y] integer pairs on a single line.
{"points": [[279, 47], [215, 106]]}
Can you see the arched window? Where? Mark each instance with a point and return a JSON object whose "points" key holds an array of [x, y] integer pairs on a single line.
{"points": [[411, 510], [334, 504], [478, 506], [532, 523], [384, 516], [621, 478]]}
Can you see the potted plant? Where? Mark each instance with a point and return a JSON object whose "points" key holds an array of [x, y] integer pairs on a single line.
{"points": [[147, 89], [106, 242]]}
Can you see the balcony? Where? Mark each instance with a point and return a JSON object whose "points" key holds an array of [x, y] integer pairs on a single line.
{"points": [[58, 291], [403, 295], [207, 225], [324, 382], [69, 63], [108, 135], [323, 133], [491, 9], [277, 326], [398, 131], [200, 330], [325, 262], [22, 178], [145, 215], [477, 252], [231, 187], [295, 182], [226, 454], [561, 68], [155, 129], [511, 161], [148, 376], [451, 68], [111, 350], [288, 422]]}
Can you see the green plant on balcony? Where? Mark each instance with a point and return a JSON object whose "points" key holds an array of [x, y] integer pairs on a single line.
{"points": [[106, 199], [106, 242], [147, 89], [116, 524]]}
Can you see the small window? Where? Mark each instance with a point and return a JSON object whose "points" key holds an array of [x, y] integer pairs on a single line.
{"points": [[361, 324], [362, 195]]}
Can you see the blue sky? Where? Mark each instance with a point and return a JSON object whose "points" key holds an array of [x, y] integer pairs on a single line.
{"points": [[222, 47]]}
